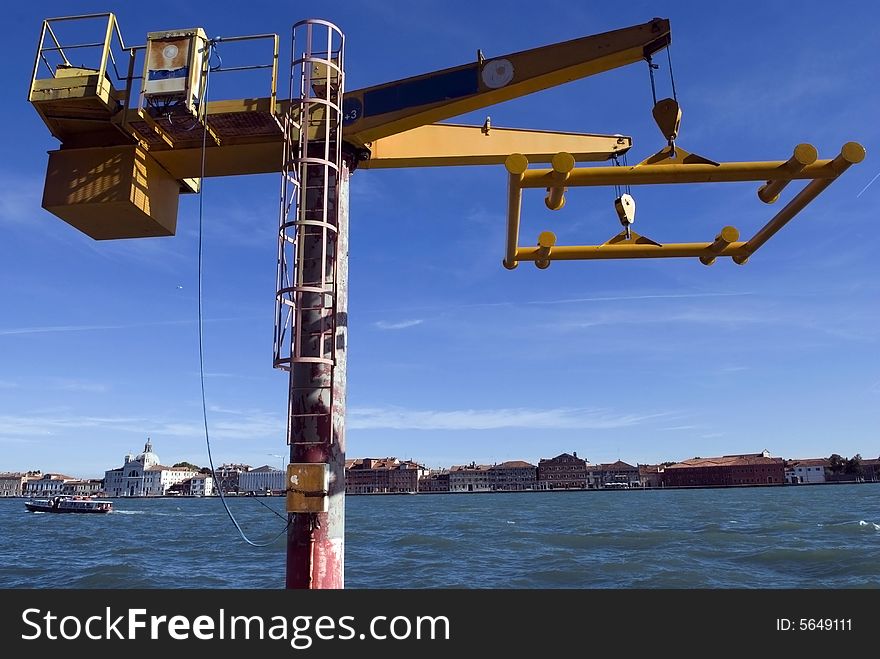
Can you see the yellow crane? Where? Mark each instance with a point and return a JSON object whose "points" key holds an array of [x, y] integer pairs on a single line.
{"points": [[138, 128]]}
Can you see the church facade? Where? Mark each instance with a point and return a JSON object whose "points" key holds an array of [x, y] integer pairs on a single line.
{"points": [[143, 476]]}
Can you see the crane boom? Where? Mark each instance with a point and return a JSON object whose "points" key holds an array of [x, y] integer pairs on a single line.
{"points": [[394, 107]]}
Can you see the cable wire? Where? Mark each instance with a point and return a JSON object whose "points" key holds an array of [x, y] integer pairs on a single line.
{"points": [[203, 110]]}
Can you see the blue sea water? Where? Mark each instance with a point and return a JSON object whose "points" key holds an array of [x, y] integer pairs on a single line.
{"points": [[782, 537]]}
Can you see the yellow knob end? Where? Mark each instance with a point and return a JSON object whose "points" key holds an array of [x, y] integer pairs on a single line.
{"points": [[562, 162], [546, 239], [516, 163], [729, 234], [853, 152], [805, 154]]}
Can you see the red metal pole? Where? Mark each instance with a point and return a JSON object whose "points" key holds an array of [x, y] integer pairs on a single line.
{"points": [[316, 541]]}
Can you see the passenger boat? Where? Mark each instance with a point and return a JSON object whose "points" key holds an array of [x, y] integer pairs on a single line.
{"points": [[69, 504]]}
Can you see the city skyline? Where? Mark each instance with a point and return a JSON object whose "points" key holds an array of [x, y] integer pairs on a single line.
{"points": [[98, 472], [450, 354]]}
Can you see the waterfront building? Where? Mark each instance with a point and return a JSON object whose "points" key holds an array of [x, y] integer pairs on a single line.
{"points": [[437, 480], [227, 477], [811, 470], [12, 484], [595, 476], [263, 480], [727, 470], [651, 475], [382, 475], [143, 476], [470, 478], [84, 488], [564, 472], [619, 473], [48, 485], [871, 470], [513, 476], [200, 485]]}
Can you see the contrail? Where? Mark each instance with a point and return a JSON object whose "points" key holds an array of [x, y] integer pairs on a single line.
{"points": [[869, 185]]}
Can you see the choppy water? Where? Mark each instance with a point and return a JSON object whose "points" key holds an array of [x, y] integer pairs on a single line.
{"points": [[787, 537]]}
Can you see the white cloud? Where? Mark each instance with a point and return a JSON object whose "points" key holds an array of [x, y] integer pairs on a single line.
{"points": [[78, 385], [20, 201], [399, 325], [250, 425], [396, 418], [48, 329], [84, 328], [732, 369]]}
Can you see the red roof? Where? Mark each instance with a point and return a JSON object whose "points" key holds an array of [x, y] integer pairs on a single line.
{"points": [[809, 462], [726, 461]]}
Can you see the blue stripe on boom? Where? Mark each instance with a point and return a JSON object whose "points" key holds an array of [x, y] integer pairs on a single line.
{"points": [[424, 91]]}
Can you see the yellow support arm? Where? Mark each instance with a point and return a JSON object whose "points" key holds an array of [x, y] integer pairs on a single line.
{"points": [[451, 145], [382, 110]]}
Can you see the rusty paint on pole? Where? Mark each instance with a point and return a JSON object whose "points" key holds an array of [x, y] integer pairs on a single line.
{"points": [[316, 541]]}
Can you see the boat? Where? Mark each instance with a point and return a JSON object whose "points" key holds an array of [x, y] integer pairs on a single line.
{"points": [[69, 504]]}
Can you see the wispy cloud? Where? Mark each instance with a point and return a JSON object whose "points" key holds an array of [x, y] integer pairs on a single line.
{"points": [[725, 370], [385, 325], [49, 329], [728, 317], [6, 384], [78, 385], [395, 418], [20, 201], [246, 426], [573, 300]]}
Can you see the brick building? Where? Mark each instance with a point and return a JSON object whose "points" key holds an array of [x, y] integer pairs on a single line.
{"points": [[436, 481], [382, 476], [564, 472], [727, 470]]}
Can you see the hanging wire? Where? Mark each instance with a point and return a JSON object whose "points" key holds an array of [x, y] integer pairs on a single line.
{"points": [[204, 114], [671, 76], [616, 185], [651, 67]]}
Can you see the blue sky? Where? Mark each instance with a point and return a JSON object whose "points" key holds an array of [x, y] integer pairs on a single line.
{"points": [[452, 358]]}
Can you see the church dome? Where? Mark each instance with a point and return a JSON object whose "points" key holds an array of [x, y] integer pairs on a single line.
{"points": [[148, 458]]}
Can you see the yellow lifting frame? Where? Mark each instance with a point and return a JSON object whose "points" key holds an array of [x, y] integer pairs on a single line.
{"points": [[668, 166]]}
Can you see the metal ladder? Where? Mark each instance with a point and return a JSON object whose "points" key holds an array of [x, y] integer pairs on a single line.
{"points": [[305, 315]]}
